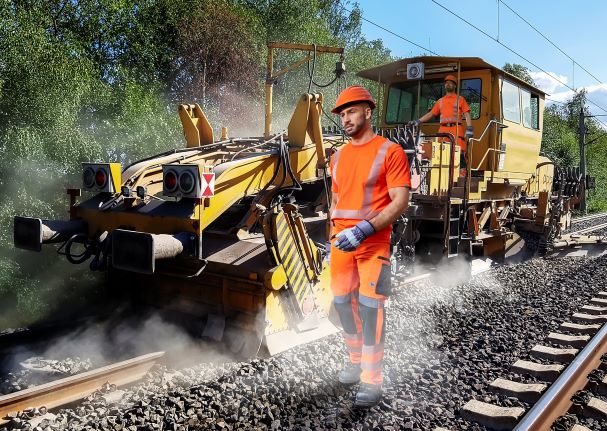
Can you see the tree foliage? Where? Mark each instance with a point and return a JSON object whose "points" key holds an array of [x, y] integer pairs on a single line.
{"points": [[519, 71], [99, 80]]}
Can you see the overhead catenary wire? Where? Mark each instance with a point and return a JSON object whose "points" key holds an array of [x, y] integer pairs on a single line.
{"points": [[512, 51], [390, 31], [549, 41], [497, 41]]}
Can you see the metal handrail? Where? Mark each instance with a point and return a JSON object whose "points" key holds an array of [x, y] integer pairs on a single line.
{"points": [[471, 141]]}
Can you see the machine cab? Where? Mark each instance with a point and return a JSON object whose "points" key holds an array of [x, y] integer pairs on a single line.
{"points": [[506, 112]]}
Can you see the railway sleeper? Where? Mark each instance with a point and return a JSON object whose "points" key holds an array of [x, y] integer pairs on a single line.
{"points": [[593, 309], [578, 328], [599, 301], [592, 407], [553, 354], [527, 392], [576, 341], [589, 318], [492, 416], [545, 372]]}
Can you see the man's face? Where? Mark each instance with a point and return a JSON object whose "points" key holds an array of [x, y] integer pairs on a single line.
{"points": [[450, 86], [354, 118]]}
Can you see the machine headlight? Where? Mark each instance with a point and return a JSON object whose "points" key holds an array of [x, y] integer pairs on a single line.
{"points": [[170, 181], [187, 182], [101, 177], [88, 177]]}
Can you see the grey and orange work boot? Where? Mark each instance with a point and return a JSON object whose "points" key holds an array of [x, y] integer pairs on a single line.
{"points": [[368, 396], [350, 374]]}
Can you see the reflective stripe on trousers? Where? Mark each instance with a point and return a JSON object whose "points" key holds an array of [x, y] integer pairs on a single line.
{"points": [[354, 279], [364, 212], [364, 332]]}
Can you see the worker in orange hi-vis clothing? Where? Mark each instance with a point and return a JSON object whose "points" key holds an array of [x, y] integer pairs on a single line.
{"points": [[370, 190], [450, 111]]}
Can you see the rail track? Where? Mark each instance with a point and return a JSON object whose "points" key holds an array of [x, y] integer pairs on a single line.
{"points": [[70, 389], [572, 378], [588, 218], [589, 229]]}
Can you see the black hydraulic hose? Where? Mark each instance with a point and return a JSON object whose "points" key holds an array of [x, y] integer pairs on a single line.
{"points": [[82, 257], [180, 150], [325, 85], [275, 174], [290, 169], [311, 74]]}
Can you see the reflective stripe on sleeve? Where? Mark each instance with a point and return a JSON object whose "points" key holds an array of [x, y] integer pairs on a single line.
{"points": [[334, 172]]}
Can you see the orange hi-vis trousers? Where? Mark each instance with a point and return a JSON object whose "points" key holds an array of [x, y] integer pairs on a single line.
{"points": [[355, 276]]}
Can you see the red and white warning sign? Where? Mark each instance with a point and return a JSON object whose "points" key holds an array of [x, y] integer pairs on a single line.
{"points": [[208, 184]]}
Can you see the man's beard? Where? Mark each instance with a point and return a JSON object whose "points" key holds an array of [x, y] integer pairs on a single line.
{"points": [[356, 129]]}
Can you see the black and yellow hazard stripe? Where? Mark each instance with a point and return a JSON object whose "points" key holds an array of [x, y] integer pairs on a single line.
{"points": [[289, 252]]}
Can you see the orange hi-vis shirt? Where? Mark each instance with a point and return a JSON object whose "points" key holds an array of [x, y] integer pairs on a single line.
{"points": [[447, 108], [361, 176]]}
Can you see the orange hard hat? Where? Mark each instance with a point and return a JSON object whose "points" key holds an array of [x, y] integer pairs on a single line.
{"points": [[351, 95], [451, 78]]}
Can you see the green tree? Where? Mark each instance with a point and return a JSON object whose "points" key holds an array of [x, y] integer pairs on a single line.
{"points": [[519, 71]]}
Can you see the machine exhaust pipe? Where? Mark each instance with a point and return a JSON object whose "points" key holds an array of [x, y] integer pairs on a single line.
{"points": [[30, 233], [138, 251]]}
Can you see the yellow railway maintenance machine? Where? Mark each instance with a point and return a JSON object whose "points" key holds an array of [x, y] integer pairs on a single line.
{"points": [[229, 230], [232, 230], [511, 195]]}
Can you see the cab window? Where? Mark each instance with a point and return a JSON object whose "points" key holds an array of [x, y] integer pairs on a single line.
{"points": [[531, 109], [511, 107], [402, 99]]}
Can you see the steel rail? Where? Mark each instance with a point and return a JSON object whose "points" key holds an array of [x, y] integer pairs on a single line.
{"points": [[588, 218], [557, 399], [64, 391], [588, 229]]}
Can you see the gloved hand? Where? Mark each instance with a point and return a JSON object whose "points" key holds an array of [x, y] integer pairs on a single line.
{"points": [[469, 132], [328, 251], [415, 123], [349, 239]]}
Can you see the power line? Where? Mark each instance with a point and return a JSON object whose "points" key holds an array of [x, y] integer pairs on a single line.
{"points": [[390, 31], [548, 40], [555, 101], [494, 39], [513, 51]]}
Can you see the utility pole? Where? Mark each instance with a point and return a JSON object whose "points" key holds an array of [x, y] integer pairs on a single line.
{"points": [[582, 142]]}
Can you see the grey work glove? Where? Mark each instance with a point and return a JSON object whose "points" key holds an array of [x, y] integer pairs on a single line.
{"points": [[469, 132], [328, 252], [415, 123], [349, 239]]}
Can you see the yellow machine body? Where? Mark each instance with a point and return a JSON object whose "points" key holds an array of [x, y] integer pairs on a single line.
{"points": [[506, 176], [260, 266], [246, 256]]}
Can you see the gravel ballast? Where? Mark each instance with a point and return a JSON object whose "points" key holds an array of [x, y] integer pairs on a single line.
{"points": [[444, 345]]}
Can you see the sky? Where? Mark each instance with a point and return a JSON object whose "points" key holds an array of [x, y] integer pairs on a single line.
{"points": [[577, 28]]}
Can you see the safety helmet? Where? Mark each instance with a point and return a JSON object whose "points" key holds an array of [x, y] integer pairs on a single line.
{"points": [[451, 78], [351, 95]]}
